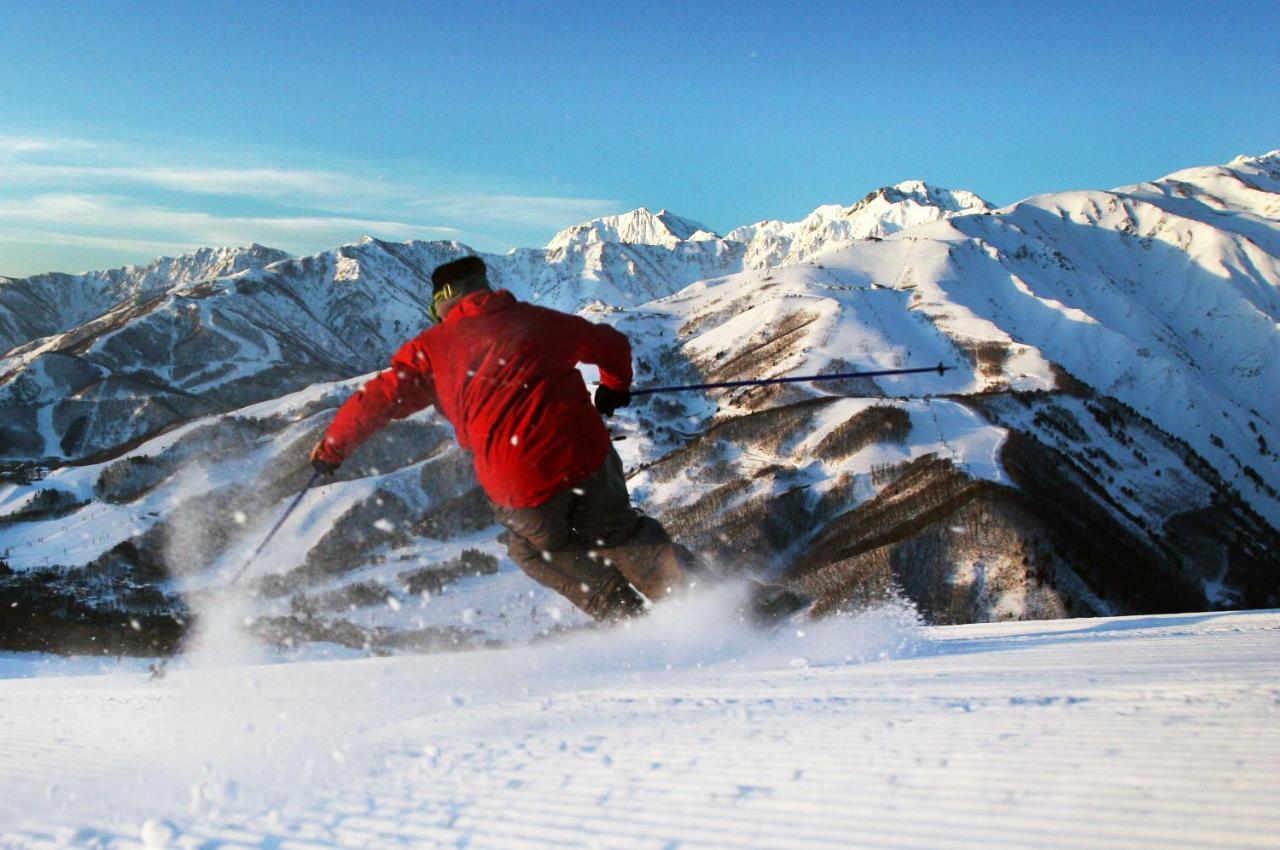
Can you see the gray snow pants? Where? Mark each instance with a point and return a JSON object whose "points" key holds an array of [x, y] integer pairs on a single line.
{"points": [[586, 542]]}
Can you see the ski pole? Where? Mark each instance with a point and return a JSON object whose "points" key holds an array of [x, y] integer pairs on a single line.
{"points": [[940, 369], [272, 533]]}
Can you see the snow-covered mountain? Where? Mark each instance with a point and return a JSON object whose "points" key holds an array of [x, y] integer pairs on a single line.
{"points": [[1103, 444], [48, 304], [885, 211], [142, 350], [158, 359], [639, 226]]}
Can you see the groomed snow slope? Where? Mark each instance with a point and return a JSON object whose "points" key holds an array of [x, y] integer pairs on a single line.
{"points": [[865, 732]]}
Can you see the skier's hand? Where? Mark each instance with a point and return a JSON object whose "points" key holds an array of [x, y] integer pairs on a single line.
{"points": [[321, 462], [607, 400]]}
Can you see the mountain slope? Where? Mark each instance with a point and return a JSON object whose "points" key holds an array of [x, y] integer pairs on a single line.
{"points": [[1173, 315], [211, 346], [49, 304]]}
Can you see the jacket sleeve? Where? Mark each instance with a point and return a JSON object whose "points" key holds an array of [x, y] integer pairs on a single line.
{"points": [[404, 389], [602, 346]]}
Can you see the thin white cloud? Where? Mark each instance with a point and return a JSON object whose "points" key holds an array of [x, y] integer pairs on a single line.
{"points": [[247, 182], [328, 190], [113, 217], [105, 163], [17, 145], [141, 247], [70, 191]]}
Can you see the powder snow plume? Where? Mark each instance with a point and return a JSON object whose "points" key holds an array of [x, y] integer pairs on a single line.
{"points": [[706, 631]]}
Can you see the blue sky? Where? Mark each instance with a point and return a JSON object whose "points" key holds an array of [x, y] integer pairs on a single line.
{"points": [[131, 130]]}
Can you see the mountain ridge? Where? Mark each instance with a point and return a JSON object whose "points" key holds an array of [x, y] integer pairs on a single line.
{"points": [[41, 305], [320, 317], [640, 226]]}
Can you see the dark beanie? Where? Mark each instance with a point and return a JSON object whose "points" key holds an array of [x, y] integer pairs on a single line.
{"points": [[463, 273]]}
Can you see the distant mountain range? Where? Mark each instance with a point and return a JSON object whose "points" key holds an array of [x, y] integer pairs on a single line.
{"points": [[97, 361], [1105, 444]]}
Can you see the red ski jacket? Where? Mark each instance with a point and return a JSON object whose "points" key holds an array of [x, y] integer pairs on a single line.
{"points": [[504, 373]]}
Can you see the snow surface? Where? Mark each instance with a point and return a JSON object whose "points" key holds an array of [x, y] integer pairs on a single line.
{"points": [[682, 731]]}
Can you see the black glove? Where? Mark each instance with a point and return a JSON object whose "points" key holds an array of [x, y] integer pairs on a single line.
{"points": [[607, 400], [321, 464]]}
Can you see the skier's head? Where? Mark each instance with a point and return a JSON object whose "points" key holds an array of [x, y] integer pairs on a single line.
{"points": [[451, 281]]}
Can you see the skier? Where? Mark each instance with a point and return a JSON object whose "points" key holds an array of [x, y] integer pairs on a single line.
{"points": [[504, 373]]}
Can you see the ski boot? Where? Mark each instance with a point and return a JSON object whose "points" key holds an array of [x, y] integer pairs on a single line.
{"points": [[770, 604], [617, 601]]}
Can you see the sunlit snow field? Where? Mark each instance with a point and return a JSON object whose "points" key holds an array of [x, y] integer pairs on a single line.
{"points": [[684, 730]]}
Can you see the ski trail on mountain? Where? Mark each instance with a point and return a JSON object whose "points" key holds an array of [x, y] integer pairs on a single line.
{"points": [[1132, 732]]}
